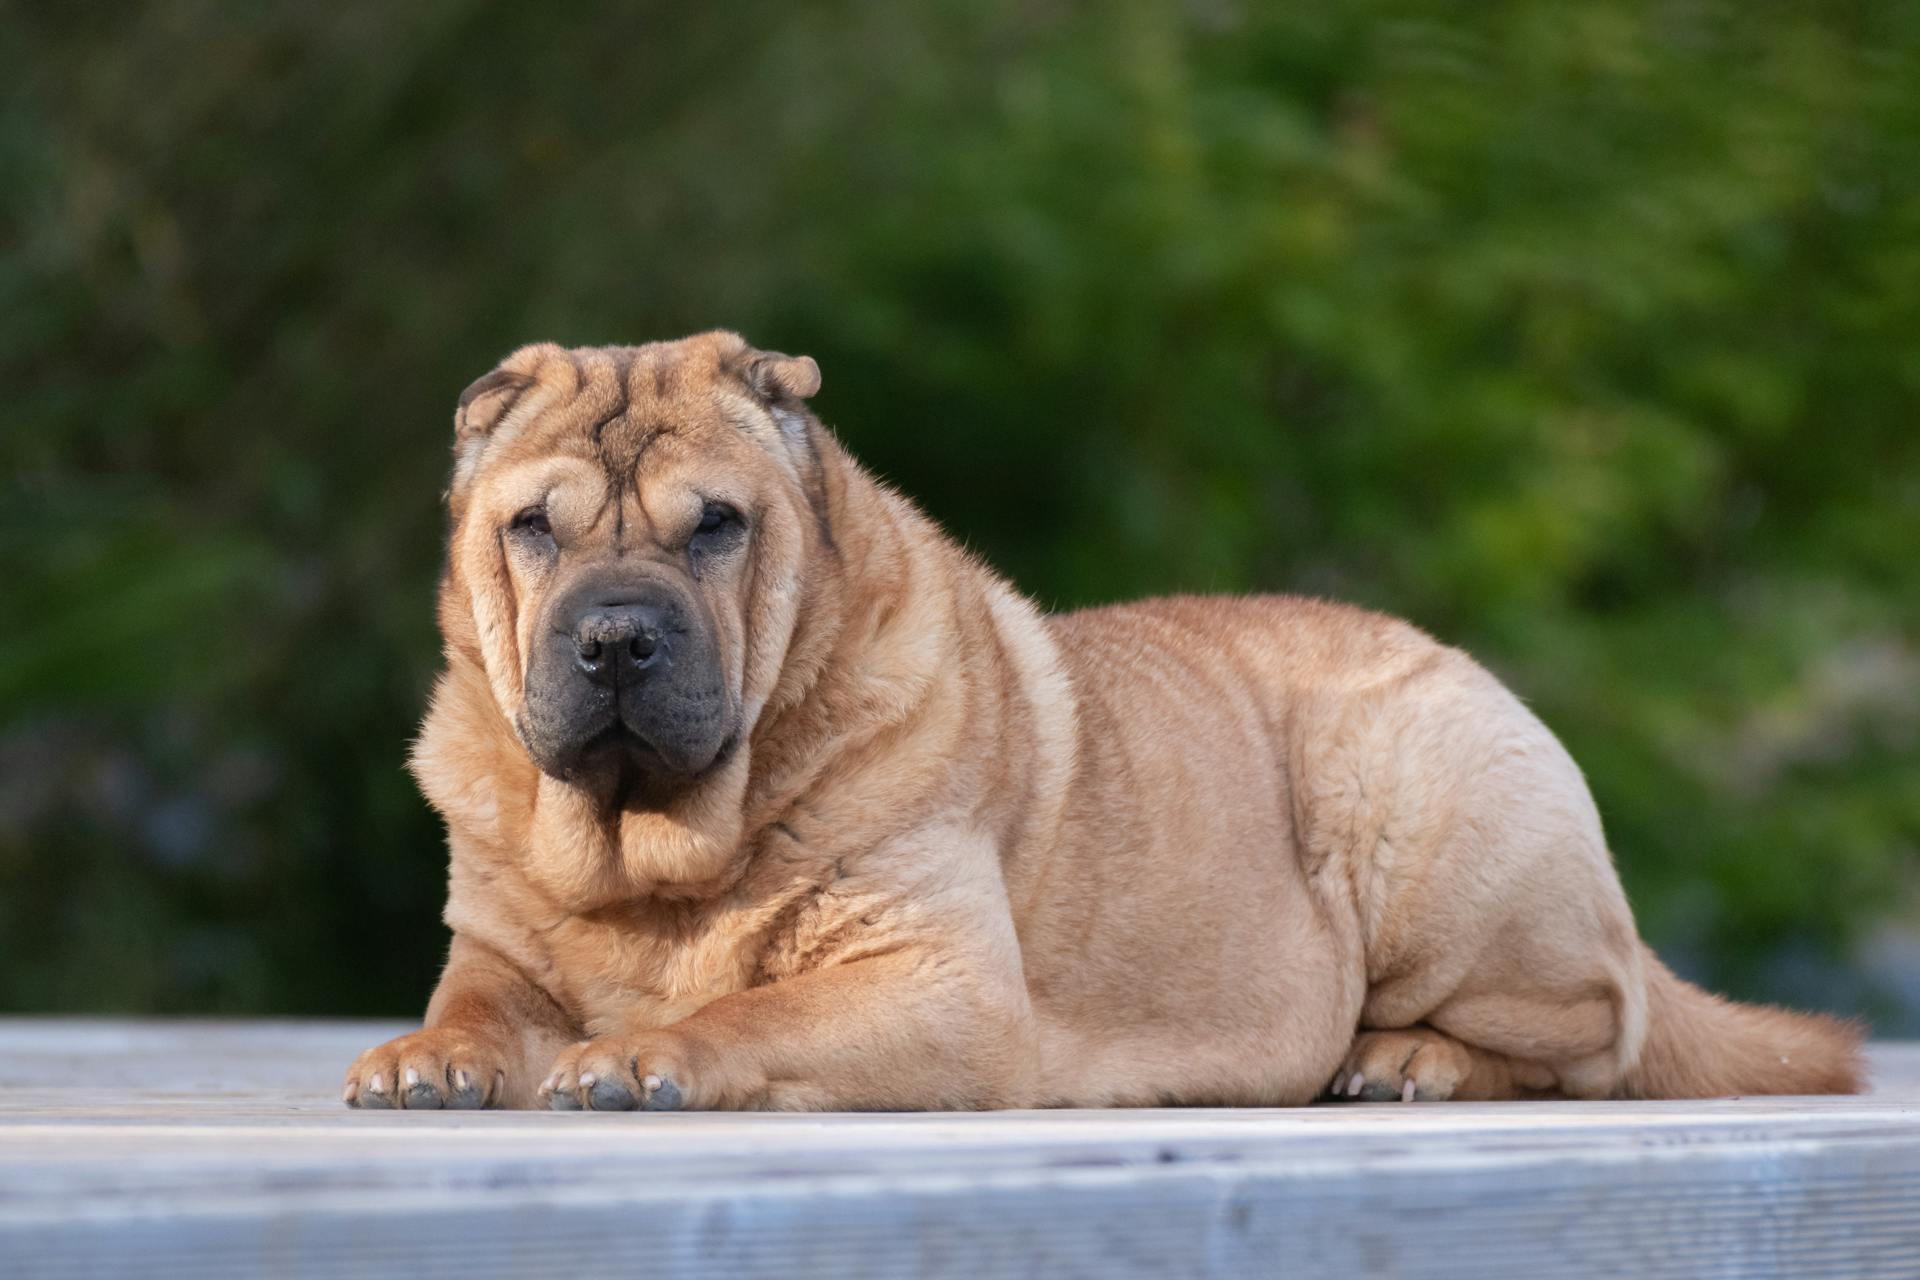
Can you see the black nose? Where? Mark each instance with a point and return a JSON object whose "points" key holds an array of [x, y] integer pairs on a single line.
{"points": [[615, 642]]}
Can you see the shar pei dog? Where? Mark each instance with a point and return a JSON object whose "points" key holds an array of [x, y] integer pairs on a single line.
{"points": [[761, 792]]}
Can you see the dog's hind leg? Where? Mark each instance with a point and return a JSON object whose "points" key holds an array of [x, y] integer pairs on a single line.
{"points": [[1420, 1064]]}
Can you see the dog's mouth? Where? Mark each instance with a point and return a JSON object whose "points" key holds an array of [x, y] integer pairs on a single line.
{"points": [[620, 755], [632, 773]]}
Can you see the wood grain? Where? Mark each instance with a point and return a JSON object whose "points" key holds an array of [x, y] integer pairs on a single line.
{"points": [[213, 1149]]}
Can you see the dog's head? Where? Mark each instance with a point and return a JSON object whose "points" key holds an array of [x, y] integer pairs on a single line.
{"points": [[631, 528]]}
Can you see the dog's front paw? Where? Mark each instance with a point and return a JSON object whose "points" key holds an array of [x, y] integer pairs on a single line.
{"points": [[441, 1067], [639, 1071]]}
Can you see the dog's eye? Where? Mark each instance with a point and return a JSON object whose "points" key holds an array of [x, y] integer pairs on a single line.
{"points": [[716, 516], [534, 521]]}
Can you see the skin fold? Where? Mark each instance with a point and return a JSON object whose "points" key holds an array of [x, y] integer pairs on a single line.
{"points": [[761, 792]]}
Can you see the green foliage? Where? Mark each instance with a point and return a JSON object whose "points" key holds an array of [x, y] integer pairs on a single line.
{"points": [[1586, 334]]}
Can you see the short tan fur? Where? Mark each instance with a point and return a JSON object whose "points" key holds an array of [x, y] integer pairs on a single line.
{"points": [[956, 854]]}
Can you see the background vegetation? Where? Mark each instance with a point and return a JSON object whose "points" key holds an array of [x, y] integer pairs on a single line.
{"points": [[1586, 333]]}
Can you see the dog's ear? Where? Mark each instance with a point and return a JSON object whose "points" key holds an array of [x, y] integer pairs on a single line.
{"points": [[777, 378], [498, 403], [485, 402], [782, 383]]}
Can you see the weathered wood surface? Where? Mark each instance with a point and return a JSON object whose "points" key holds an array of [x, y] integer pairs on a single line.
{"points": [[212, 1149]]}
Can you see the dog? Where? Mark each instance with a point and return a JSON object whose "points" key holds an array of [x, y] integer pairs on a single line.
{"points": [[762, 793]]}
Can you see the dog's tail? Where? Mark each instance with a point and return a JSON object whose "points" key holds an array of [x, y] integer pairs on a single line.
{"points": [[1701, 1046]]}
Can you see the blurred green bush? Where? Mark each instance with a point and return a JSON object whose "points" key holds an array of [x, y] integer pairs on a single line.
{"points": [[1586, 335]]}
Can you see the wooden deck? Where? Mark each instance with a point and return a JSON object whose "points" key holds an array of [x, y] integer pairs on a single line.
{"points": [[137, 1149]]}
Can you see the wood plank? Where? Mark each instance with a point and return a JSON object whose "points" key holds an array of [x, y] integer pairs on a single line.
{"points": [[206, 1148]]}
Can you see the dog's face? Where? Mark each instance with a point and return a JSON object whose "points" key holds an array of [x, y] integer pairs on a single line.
{"points": [[630, 526]]}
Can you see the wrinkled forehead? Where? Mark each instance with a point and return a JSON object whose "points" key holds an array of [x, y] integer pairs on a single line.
{"points": [[635, 411]]}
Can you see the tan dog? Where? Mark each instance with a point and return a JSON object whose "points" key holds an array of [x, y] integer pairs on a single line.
{"points": [[760, 792]]}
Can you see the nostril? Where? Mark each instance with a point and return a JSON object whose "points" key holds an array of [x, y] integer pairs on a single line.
{"points": [[642, 647], [590, 650]]}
